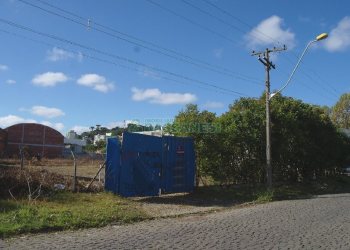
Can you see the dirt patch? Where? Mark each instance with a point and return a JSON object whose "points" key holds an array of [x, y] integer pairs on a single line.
{"points": [[86, 167], [180, 204]]}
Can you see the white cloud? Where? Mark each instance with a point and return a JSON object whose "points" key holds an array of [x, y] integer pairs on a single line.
{"points": [[9, 120], [218, 53], [58, 126], [80, 129], [339, 37], [3, 67], [57, 54], [49, 79], [10, 81], [126, 122], [96, 82], [120, 124], [45, 111], [213, 105], [268, 32], [156, 96]]}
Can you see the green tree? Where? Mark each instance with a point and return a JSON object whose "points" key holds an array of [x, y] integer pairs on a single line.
{"points": [[239, 156], [341, 112], [101, 146], [90, 148], [305, 143], [201, 126]]}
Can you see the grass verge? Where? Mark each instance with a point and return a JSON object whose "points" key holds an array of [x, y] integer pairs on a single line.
{"points": [[260, 194], [65, 210]]}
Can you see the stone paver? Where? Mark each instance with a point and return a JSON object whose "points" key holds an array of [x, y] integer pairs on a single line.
{"points": [[319, 223]]}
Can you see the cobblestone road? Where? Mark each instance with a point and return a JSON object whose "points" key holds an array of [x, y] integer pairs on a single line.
{"points": [[319, 223]]}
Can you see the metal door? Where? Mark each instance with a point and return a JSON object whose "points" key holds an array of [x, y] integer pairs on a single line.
{"points": [[141, 165], [112, 171], [178, 173]]}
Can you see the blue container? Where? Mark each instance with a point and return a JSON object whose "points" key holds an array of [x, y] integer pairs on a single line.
{"points": [[148, 165]]}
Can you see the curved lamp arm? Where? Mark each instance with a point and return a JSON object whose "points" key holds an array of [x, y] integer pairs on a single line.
{"points": [[318, 38]]}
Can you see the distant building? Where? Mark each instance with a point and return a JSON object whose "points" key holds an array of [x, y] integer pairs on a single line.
{"points": [[77, 144], [35, 140], [72, 135]]}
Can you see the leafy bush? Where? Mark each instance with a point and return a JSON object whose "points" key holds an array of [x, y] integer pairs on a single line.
{"points": [[305, 143]]}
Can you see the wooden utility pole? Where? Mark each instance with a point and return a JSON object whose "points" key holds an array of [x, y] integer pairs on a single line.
{"points": [[264, 58]]}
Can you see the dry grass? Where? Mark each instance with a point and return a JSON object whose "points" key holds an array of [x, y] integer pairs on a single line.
{"points": [[86, 167], [30, 203]]}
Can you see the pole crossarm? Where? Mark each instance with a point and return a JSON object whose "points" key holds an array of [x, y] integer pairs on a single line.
{"points": [[263, 53]]}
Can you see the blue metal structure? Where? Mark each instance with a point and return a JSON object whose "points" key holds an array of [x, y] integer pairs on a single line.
{"points": [[141, 165], [178, 174], [148, 165], [113, 167]]}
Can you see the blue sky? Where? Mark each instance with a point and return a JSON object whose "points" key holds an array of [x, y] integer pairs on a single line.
{"points": [[115, 60]]}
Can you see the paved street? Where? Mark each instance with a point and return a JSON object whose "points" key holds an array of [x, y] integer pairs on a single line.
{"points": [[319, 223]]}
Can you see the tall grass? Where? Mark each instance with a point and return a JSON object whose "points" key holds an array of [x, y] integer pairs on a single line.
{"points": [[66, 210]]}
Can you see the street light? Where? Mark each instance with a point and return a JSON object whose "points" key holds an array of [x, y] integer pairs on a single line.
{"points": [[268, 98], [318, 38]]}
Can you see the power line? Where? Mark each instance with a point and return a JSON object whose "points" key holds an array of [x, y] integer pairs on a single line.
{"points": [[321, 83], [155, 45], [140, 40], [182, 58], [219, 19], [307, 86], [79, 53], [119, 57], [239, 20], [174, 52], [212, 16], [256, 31], [191, 21], [326, 83]]}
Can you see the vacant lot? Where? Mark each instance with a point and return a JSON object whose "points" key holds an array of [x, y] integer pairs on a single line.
{"points": [[86, 167], [22, 209]]}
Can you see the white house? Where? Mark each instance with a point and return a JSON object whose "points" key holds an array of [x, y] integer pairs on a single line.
{"points": [[77, 144]]}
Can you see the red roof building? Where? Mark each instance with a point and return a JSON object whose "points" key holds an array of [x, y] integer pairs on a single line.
{"points": [[35, 140]]}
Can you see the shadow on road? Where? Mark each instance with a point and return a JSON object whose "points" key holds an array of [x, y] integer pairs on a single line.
{"points": [[209, 196]]}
